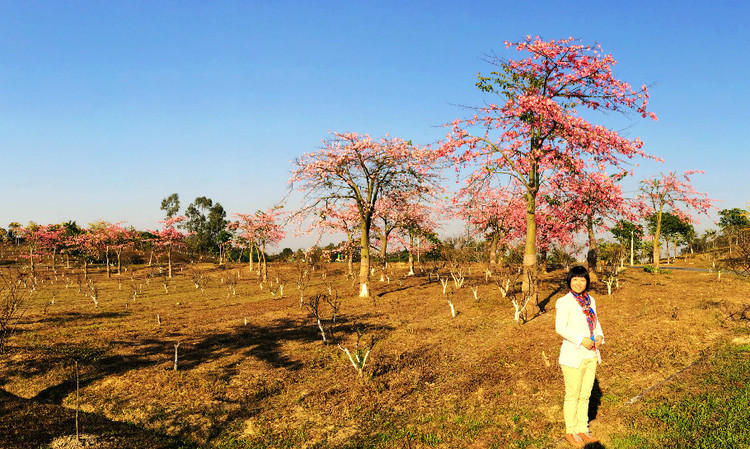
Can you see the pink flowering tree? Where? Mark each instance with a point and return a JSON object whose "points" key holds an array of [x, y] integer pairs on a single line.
{"points": [[536, 131], [260, 230], [673, 193], [402, 214], [117, 238], [32, 237], [592, 201], [356, 170], [416, 230], [106, 237], [492, 211], [85, 246], [169, 238], [342, 220]]}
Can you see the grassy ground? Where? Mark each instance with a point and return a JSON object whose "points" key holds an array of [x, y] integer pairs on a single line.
{"points": [[253, 371]]}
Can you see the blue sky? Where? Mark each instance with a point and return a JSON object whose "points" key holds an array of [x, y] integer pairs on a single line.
{"points": [[108, 107]]}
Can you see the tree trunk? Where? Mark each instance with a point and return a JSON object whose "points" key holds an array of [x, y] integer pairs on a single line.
{"points": [[529, 252], [169, 261], [106, 260], [656, 249], [250, 253], [364, 264], [592, 255], [350, 262], [411, 256], [493, 251], [262, 251]]}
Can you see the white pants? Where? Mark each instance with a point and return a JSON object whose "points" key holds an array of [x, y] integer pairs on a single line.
{"points": [[578, 385]]}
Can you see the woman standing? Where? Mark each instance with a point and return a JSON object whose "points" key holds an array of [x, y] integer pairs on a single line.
{"points": [[577, 323]]}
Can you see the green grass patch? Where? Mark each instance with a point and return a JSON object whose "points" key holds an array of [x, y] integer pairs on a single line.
{"points": [[714, 414]]}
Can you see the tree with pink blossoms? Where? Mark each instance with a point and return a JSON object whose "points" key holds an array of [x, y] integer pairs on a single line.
{"points": [[537, 131], [416, 231], [85, 246], [169, 238], [590, 201], [356, 170], [117, 238], [673, 193], [261, 230], [343, 220], [492, 211], [33, 238], [408, 214]]}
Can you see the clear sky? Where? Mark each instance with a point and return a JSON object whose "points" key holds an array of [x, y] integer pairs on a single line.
{"points": [[106, 107]]}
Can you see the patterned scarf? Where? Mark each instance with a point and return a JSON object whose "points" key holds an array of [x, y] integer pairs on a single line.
{"points": [[584, 300]]}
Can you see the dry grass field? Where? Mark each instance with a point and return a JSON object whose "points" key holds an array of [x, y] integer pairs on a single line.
{"points": [[253, 370]]}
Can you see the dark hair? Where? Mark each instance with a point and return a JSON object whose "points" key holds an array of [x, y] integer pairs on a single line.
{"points": [[579, 271]]}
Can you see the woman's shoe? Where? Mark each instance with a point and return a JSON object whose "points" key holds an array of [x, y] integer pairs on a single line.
{"points": [[574, 440], [588, 438]]}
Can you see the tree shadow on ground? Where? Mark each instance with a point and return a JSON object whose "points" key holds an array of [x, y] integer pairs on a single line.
{"points": [[264, 343], [27, 424]]}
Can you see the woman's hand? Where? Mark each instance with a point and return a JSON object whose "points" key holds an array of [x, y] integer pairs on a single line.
{"points": [[598, 341], [587, 343]]}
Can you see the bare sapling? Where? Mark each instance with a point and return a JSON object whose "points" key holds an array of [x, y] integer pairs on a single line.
{"points": [[450, 303], [610, 276], [609, 255], [231, 284], [518, 297], [458, 277], [504, 285], [12, 298], [93, 292], [78, 399], [315, 305], [475, 290], [176, 345], [198, 280], [358, 356], [277, 291], [444, 282]]}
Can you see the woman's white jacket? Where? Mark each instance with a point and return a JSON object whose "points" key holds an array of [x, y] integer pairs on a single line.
{"points": [[571, 325]]}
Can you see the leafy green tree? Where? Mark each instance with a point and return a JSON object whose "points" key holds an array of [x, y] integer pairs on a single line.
{"points": [[286, 254], [733, 218], [629, 235], [673, 229], [14, 230], [732, 221], [206, 221], [171, 205]]}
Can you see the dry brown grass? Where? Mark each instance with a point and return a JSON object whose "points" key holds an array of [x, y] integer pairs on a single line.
{"points": [[476, 380]]}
